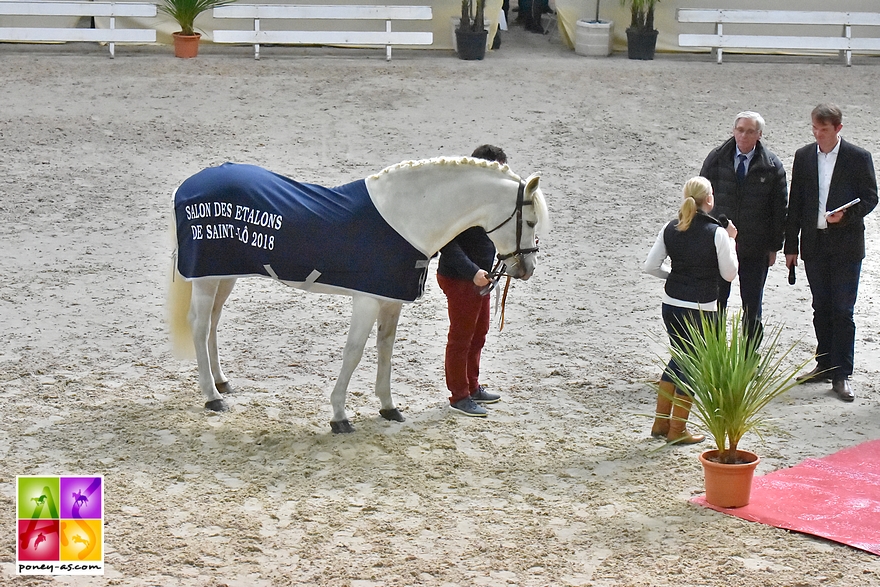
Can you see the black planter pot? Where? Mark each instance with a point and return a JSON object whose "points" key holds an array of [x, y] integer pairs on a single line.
{"points": [[471, 44], [641, 44]]}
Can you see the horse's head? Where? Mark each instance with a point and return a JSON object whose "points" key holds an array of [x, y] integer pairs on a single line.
{"points": [[517, 243]]}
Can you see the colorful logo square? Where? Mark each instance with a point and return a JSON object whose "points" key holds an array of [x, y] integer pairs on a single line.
{"points": [[60, 525]]}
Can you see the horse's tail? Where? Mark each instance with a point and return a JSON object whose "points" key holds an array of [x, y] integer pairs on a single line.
{"points": [[177, 304]]}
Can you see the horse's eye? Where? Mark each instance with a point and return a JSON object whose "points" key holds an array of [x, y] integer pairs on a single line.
{"points": [[531, 224]]}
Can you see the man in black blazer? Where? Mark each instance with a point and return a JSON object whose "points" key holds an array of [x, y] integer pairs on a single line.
{"points": [[826, 175]]}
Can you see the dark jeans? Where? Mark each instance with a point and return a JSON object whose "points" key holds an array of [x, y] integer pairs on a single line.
{"points": [[530, 12], [674, 318], [752, 277], [834, 285]]}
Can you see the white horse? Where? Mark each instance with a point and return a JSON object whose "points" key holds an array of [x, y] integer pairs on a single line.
{"points": [[427, 202]]}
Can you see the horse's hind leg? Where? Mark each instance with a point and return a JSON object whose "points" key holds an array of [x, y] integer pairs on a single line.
{"points": [[363, 315], [389, 315], [202, 312], [221, 382]]}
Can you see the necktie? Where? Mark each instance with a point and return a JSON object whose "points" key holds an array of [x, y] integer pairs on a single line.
{"points": [[741, 168]]}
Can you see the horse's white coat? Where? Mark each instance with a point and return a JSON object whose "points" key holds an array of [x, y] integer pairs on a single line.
{"points": [[428, 202]]}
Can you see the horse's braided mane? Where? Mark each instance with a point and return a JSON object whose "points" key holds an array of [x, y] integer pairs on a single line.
{"points": [[451, 161]]}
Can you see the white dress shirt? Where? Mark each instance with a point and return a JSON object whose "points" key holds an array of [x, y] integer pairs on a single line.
{"points": [[826, 170], [748, 161]]}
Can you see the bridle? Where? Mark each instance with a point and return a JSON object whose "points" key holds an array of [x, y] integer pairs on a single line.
{"points": [[519, 252], [499, 270]]}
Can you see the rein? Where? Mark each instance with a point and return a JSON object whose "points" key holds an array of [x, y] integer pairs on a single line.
{"points": [[499, 270]]}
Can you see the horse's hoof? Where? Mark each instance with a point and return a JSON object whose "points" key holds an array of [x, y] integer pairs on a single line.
{"points": [[217, 405], [224, 387], [341, 427], [393, 414]]}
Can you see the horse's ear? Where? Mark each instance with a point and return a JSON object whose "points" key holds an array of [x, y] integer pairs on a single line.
{"points": [[532, 182]]}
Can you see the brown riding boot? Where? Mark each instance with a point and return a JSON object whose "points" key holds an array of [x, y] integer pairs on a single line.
{"points": [[664, 407], [678, 434]]}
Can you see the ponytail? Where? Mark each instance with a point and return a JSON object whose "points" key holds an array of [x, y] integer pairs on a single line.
{"points": [[696, 190], [686, 214]]}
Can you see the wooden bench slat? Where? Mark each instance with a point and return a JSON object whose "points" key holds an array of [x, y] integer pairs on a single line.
{"points": [[801, 17], [764, 42], [340, 12], [865, 44], [323, 37], [46, 8], [60, 35]]}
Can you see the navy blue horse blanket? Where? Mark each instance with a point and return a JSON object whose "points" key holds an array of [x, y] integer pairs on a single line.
{"points": [[241, 220]]}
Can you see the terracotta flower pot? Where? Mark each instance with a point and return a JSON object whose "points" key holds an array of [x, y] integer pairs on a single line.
{"points": [[186, 46], [729, 486]]}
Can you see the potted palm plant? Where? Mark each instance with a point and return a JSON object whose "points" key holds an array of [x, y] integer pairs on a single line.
{"points": [[471, 34], [186, 40], [729, 382], [641, 36]]}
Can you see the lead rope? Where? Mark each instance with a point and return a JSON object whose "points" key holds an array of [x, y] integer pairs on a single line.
{"points": [[497, 272], [503, 301]]}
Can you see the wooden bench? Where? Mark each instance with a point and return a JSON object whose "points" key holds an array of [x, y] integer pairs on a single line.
{"points": [[843, 41], [358, 13], [44, 9]]}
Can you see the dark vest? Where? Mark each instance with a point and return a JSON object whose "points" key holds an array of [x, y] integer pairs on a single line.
{"points": [[694, 276]]}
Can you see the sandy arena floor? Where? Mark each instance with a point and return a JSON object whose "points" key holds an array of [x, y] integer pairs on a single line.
{"points": [[562, 484]]}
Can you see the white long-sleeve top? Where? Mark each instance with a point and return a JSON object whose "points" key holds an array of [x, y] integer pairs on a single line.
{"points": [[728, 265]]}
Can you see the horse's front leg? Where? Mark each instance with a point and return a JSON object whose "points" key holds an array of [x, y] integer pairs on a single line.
{"points": [[389, 315], [364, 312]]}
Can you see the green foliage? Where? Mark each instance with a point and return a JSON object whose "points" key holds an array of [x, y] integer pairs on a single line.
{"points": [[729, 381], [472, 12], [642, 12], [186, 11]]}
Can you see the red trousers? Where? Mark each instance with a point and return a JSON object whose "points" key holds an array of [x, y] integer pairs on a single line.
{"points": [[468, 324]]}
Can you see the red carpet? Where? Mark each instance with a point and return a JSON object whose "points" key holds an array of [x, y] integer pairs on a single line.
{"points": [[837, 497]]}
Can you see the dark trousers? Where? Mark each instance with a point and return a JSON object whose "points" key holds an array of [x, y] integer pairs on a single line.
{"points": [[675, 319], [752, 277], [469, 318], [530, 12], [835, 286]]}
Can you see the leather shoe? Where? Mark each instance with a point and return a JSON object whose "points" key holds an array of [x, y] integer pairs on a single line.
{"points": [[818, 374], [843, 390]]}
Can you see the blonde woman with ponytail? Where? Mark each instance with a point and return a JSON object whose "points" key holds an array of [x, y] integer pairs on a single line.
{"points": [[700, 250]]}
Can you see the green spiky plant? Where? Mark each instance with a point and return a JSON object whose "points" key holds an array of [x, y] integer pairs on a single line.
{"points": [[642, 13], [730, 380], [472, 15], [186, 11]]}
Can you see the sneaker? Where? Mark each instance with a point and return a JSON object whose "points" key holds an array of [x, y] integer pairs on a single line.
{"points": [[469, 407], [481, 396]]}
